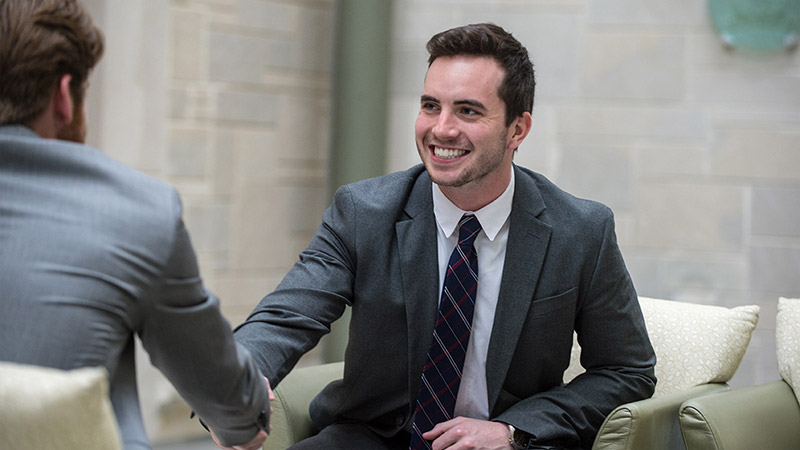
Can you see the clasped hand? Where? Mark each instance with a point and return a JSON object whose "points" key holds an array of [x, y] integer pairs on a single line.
{"points": [[258, 440], [464, 433]]}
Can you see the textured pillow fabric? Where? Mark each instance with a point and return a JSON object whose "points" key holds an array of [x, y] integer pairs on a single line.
{"points": [[44, 408], [694, 344], [787, 339]]}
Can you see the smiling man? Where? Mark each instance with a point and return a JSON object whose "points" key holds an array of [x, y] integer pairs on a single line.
{"points": [[467, 276]]}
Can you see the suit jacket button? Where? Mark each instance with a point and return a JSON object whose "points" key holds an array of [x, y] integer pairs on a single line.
{"points": [[400, 420]]}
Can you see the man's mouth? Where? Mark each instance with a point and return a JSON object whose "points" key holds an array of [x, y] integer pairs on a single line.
{"points": [[447, 153]]}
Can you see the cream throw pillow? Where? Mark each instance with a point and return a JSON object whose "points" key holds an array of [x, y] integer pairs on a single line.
{"points": [[787, 338], [44, 408], [694, 344]]}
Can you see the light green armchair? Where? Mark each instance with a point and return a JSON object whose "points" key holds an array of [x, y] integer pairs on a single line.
{"points": [[698, 349], [765, 416], [649, 424]]}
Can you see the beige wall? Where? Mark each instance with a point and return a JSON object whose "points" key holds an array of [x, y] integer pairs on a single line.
{"points": [[638, 105]]}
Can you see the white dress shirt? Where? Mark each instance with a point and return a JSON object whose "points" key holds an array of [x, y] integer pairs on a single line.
{"points": [[472, 400]]}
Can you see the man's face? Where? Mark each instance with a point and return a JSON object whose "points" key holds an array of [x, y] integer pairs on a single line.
{"points": [[75, 131], [460, 131]]}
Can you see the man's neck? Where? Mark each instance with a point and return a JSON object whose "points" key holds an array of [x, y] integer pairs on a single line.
{"points": [[43, 127]]}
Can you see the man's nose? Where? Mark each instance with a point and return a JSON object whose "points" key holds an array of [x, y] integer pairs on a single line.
{"points": [[446, 126]]}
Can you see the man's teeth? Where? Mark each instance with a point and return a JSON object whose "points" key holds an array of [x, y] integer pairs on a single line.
{"points": [[446, 153]]}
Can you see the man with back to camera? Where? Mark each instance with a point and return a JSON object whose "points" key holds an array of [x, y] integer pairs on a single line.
{"points": [[92, 251], [486, 338]]}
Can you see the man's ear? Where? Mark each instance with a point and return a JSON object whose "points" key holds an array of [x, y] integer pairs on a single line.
{"points": [[519, 129], [63, 102]]}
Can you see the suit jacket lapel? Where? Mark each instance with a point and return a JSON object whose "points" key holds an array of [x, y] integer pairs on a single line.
{"points": [[416, 239], [528, 238]]}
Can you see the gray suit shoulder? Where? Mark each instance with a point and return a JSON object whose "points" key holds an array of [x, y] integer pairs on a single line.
{"points": [[384, 193], [561, 205], [146, 190], [146, 195], [81, 166], [106, 196]]}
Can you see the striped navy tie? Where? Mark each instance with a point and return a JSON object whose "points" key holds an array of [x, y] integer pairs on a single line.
{"points": [[441, 375]]}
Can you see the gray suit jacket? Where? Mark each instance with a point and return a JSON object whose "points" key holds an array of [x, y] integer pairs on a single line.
{"points": [[376, 252], [91, 252]]}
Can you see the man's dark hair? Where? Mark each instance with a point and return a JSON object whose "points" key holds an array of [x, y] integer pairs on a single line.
{"points": [[40, 41], [487, 39]]}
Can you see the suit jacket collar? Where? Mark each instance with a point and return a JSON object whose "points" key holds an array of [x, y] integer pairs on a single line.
{"points": [[18, 130], [528, 238], [416, 242]]}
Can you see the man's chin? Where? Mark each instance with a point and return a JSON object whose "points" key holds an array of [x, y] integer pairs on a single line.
{"points": [[447, 179]]}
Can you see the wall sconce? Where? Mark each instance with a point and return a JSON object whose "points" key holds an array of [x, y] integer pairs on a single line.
{"points": [[757, 24]]}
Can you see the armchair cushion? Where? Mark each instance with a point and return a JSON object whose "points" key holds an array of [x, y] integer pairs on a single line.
{"points": [[694, 344], [787, 339], [765, 416], [49, 408]]}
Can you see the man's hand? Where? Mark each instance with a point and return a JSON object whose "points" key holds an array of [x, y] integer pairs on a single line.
{"points": [[464, 433], [258, 440]]}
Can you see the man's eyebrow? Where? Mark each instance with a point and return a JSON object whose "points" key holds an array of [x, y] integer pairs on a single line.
{"points": [[428, 98], [467, 102], [473, 103]]}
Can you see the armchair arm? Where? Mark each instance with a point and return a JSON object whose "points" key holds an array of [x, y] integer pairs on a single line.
{"points": [[290, 419], [764, 416], [651, 423]]}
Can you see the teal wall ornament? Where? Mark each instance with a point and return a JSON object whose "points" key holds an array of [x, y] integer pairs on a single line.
{"points": [[757, 24]]}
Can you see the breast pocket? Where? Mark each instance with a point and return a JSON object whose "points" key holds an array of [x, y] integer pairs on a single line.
{"points": [[561, 304], [543, 349]]}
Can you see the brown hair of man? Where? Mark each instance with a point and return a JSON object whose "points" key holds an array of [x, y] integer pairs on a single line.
{"points": [[487, 39], [40, 41]]}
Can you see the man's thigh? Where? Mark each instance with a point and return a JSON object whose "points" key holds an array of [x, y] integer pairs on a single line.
{"points": [[352, 436]]}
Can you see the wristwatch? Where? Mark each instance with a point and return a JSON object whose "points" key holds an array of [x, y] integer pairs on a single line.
{"points": [[518, 439]]}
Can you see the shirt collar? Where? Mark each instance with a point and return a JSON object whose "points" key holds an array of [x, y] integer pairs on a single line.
{"points": [[492, 216]]}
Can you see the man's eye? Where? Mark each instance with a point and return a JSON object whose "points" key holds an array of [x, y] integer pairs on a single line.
{"points": [[469, 112], [428, 106]]}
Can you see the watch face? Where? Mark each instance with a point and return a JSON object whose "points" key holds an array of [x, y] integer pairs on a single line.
{"points": [[521, 438]]}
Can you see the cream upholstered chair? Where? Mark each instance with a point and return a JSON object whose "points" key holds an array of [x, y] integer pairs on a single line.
{"points": [[764, 416], [44, 408], [698, 349]]}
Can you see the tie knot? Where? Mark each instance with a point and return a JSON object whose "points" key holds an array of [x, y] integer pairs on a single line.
{"points": [[469, 227]]}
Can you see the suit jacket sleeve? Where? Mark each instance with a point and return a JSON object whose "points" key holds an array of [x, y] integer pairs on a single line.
{"points": [[616, 353], [292, 319], [190, 341]]}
